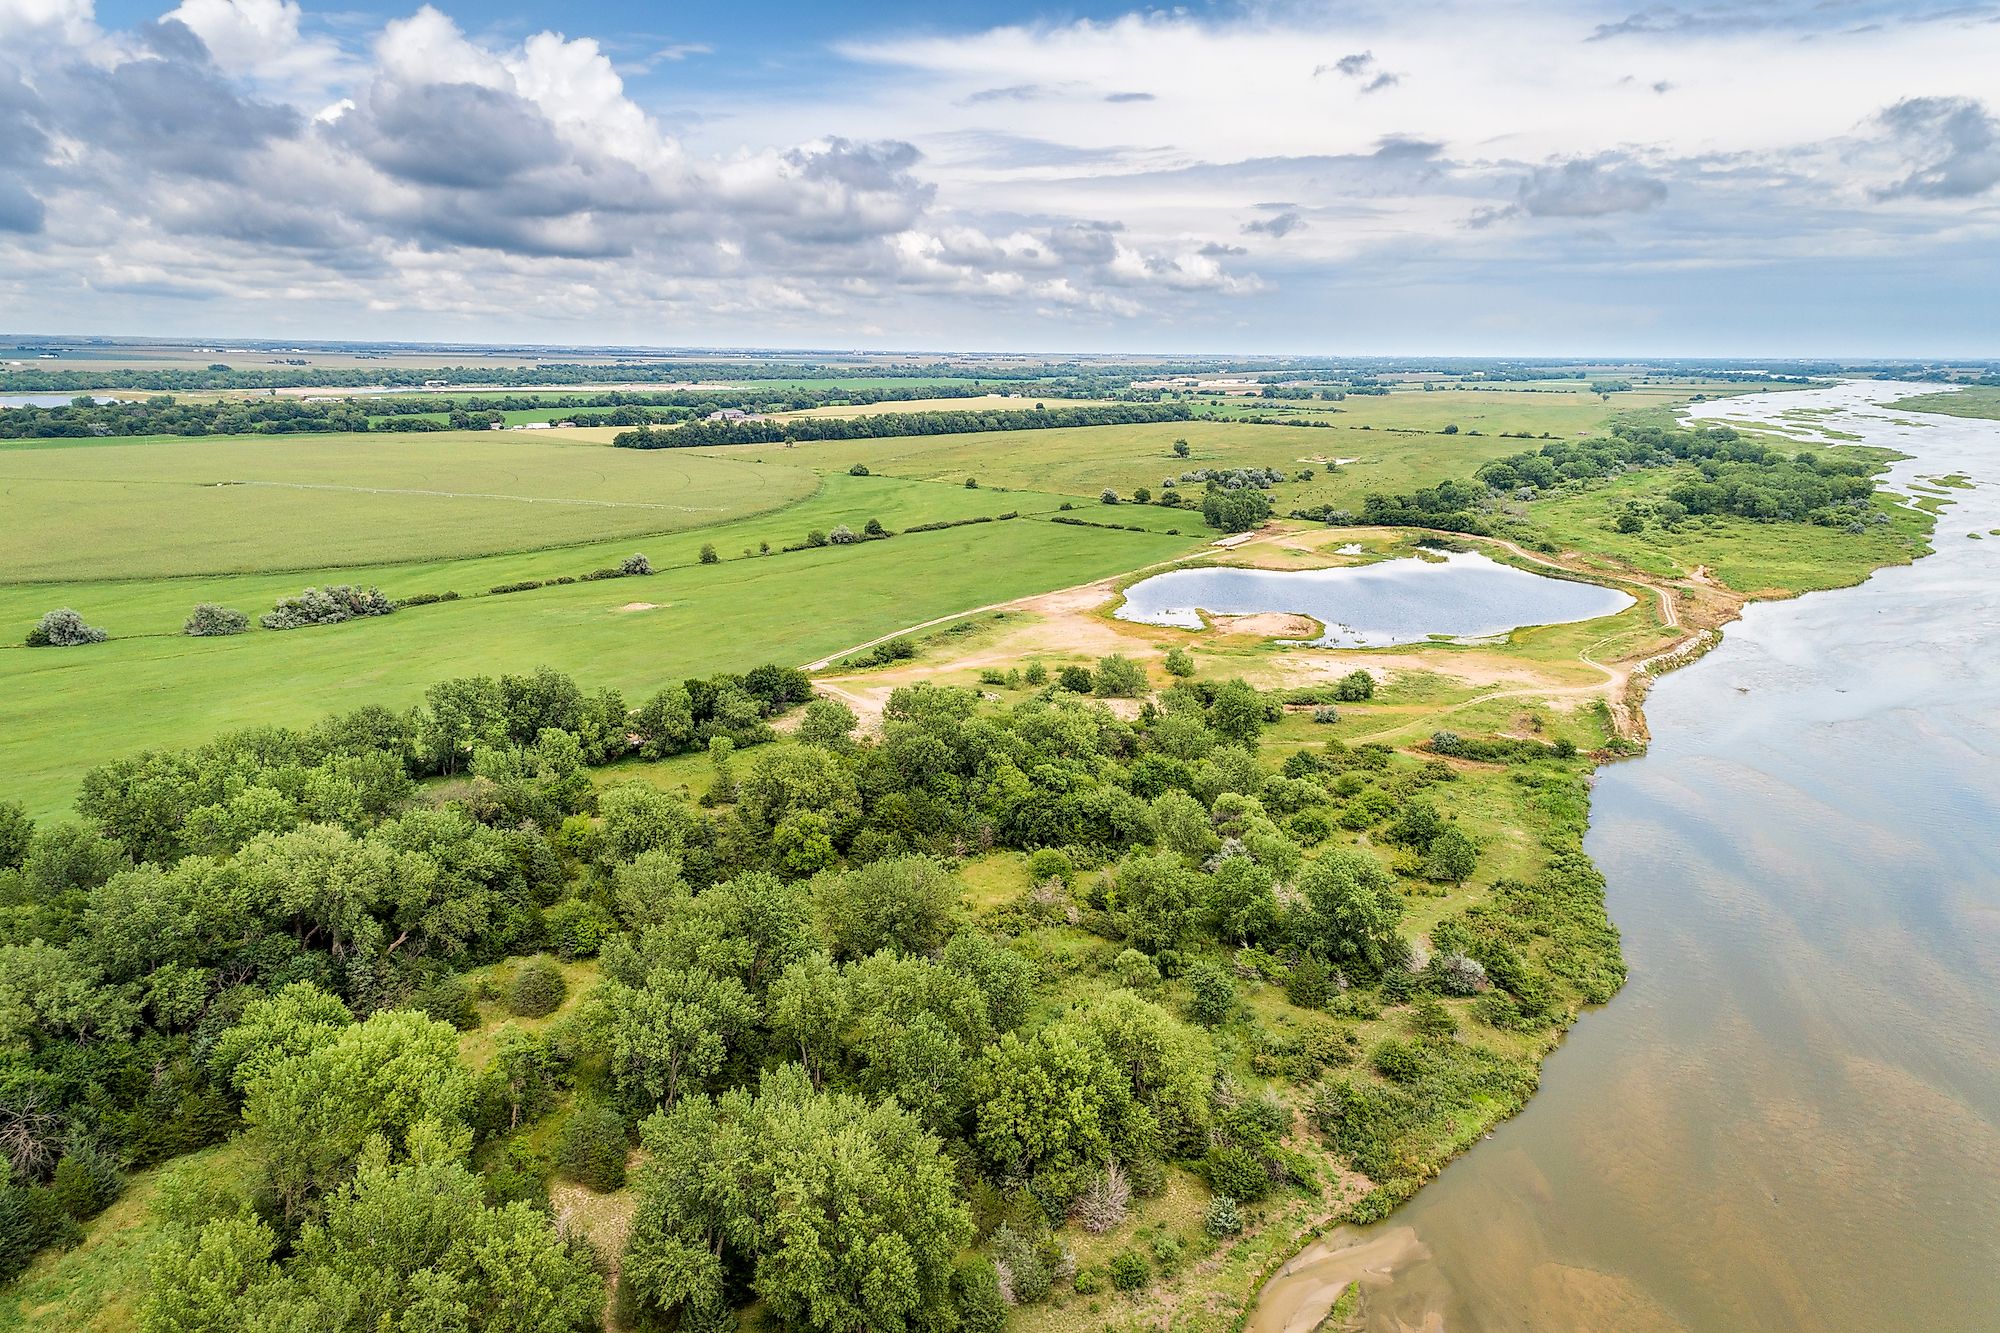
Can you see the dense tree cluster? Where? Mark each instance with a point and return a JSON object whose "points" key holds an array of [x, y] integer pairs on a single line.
{"points": [[815, 1042], [697, 434], [1726, 473]]}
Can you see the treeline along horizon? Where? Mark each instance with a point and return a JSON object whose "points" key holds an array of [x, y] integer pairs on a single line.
{"points": [[697, 434], [85, 418]]}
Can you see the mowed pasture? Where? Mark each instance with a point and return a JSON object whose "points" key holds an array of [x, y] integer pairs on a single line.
{"points": [[177, 507]]}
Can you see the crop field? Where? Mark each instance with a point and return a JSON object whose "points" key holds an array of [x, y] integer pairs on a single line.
{"points": [[176, 507]]}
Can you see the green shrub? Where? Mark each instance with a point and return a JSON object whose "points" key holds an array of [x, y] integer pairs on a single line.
{"points": [[1236, 1172], [975, 1295], [1222, 1218], [593, 1147], [30, 1221], [577, 927], [448, 999], [1075, 679], [209, 620], [63, 629], [87, 1181], [1211, 994], [1129, 1271], [538, 989]]}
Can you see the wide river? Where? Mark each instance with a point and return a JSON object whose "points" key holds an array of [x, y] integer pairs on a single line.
{"points": [[1790, 1117]]}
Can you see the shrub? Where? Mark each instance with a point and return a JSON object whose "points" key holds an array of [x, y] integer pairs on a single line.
{"points": [[975, 1295], [330, 605], [30, 1220], [211, 621], [577, 927], [1326, 714], [1107, 496], [1236, 1172], [816, 538], [842, 535], [708, 555], [447, 999], [1354, 687], [1179, 663], [63, 629], [635, 564], [1035, 674], [873, 528], [1135, 970], [858, 470], [1104, 1201], [1430, 1019], [1047, 863], [1119, 677], [971, 483], [592, 1148], [1075, 679], [1129, 1271], [538, 989], [1222, 1219], [1310, 984], [87, 1181], [1023, 1275], [1456, 974], [1211, 994]]}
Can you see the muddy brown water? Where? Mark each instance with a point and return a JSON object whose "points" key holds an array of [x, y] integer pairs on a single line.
{"points": [[1790, 1117]]}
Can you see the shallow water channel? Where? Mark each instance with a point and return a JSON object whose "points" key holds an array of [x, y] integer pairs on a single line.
{"points": [[1464, 595], [1790, 1117]]}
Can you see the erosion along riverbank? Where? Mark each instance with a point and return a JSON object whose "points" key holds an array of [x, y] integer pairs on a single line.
{"points": [[1790, 1116]]}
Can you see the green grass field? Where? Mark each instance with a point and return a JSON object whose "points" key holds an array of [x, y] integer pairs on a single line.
{"points": [[64, 710], [174, 507]]}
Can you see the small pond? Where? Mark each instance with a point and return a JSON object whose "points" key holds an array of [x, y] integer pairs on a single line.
{"points": [[1464, 596]]}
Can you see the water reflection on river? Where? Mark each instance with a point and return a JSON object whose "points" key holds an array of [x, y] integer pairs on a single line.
{"points": [[1790, 1118]]}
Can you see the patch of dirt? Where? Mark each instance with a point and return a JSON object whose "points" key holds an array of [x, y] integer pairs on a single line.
{"points": [[1268, 625], [630, 607]]}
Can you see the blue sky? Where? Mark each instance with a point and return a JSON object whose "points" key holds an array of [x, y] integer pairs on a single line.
{"points": [[1772, 177]]}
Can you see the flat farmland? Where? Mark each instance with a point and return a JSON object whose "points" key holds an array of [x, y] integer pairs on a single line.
{"points": [[1083, 460], [179, 507]]}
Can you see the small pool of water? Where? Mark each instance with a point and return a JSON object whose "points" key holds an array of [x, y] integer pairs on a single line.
{"points": [[1464, 596]]}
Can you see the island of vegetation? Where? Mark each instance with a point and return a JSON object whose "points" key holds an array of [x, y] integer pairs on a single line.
{"points": [[529, 959]]}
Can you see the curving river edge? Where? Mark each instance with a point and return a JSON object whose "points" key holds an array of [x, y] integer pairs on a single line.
{"points": [[1790, 1117]]}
